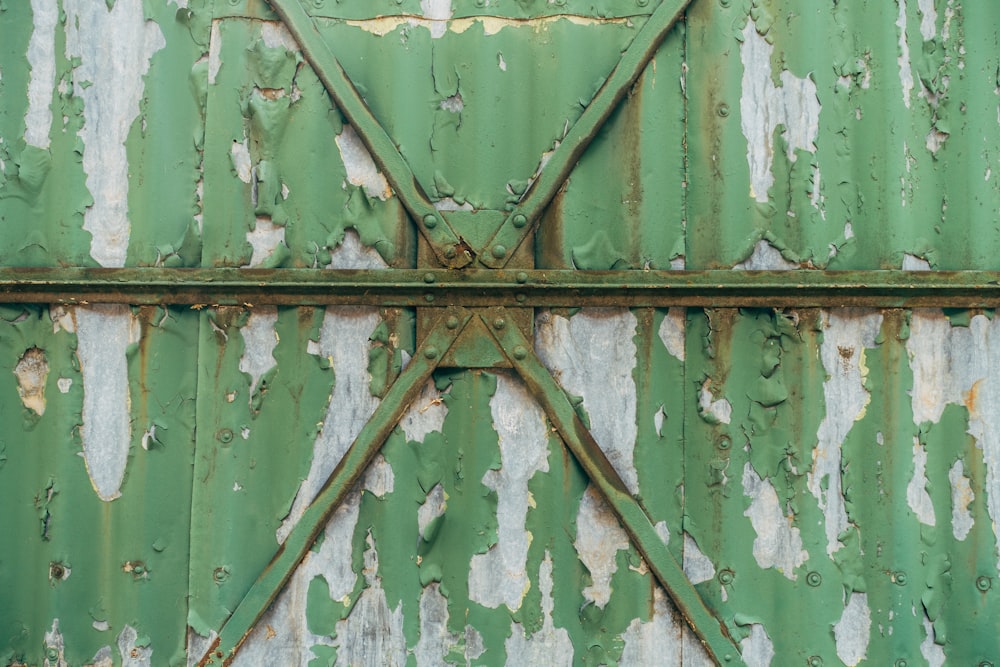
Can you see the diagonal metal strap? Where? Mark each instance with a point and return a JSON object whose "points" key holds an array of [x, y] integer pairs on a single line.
{"points": [[347, 473], [633, 61], [710, 630], [450, 250]]}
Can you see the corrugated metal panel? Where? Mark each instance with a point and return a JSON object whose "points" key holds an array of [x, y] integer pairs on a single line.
{"points": [[828, 478]]}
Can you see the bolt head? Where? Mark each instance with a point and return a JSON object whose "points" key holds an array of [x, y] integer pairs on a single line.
{"points": [[431, 352], [519, 220], [499, 251], [452, 322], [520, 352], [430, 221]]}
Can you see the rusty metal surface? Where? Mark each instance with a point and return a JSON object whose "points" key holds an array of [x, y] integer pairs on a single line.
{"points": [[810, 437]]}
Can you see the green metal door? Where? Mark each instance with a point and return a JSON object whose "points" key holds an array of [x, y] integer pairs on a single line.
{"points": [[499, 332]]}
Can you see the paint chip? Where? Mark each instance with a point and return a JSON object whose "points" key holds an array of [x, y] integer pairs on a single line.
{"points": [[32, 372], [853, 630]]}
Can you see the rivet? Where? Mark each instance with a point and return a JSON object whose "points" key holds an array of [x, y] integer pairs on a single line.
{"points": [[52, 653], [724, 442], [900, 663], [521, 298], [986, 663], [499, 251], [318, 3], [521, 277], [450, 252], [815, 661], [56, 571], [225, 436], [899, 578], [519, 220], [138, 569], [430, 221], [499, 323], [234, 2], [452, 322], [220, 574], [814, 579], [431, 352], [726, 577], [429, 278], [480, 3], [984, 583], [520, 352], [428, 298], [724, 3], [642, 3], [723, 110], [728, 657], [218, 654]]}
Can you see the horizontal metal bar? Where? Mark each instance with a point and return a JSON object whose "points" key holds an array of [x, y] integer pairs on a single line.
{"points": [[410, 287]]}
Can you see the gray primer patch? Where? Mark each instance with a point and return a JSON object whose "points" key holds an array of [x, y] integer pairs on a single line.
{"points": [[32, 372], [282, 635], [372, 634], [259, 340], [104, 333], [905, 68], [435, 639], [778, 543], [379, 478], [114, 50], [437, 12], [592, 355], [757, 650], [499, 575], [916, 491], [360, 166], [846, 333], [132, 655], [656, 642], [197, 646], [425, 415], [433, 507], [765, 257], [54, 639], [697, 566], [239, 153], [720, 410], [103, 658], [933, 653], [264, 238], [344, 340], [961, 497], [763, 107], [672, 331], [549, 645], [599, 537], [42, 59], [853, 630]]}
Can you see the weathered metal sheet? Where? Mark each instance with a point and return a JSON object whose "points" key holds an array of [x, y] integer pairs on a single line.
{"points": [[825, 480]]}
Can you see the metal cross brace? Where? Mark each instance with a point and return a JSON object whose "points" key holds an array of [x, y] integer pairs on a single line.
{"points": [[447, 246], [510, 342]]}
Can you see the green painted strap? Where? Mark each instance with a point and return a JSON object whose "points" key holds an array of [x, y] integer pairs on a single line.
{"points": [[712, 633], [537, 288], [521, 220], [447, 246], [341, 481]]}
